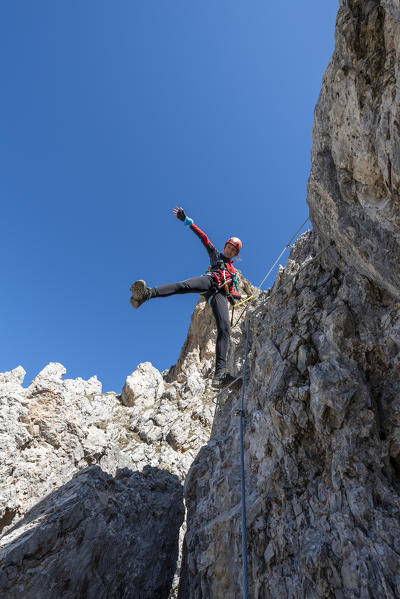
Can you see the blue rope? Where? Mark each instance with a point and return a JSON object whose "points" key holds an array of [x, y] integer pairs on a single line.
{"points": [[234, 279]]}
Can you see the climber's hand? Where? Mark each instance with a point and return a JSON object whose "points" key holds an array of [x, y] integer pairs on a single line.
{"points": [[179, 213]]}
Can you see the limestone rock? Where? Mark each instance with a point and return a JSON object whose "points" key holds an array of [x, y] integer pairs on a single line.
{"points": [[354, 185], [15, 376], [143, 387], [56, 427]]}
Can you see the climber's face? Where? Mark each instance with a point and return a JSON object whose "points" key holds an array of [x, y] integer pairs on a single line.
{"points": [[230, 251]]}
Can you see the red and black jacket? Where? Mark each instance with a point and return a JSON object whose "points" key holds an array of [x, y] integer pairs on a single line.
{"points": [[222, 268]]}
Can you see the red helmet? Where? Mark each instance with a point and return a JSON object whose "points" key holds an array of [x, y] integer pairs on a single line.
{"points": [[235, 241]]}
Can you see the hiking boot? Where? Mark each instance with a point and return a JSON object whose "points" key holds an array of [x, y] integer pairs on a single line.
{"points": [[140, 293], [223, 379]]}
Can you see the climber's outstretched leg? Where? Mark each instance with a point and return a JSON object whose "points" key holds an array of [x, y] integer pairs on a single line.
{"points": [[204, 284], [141, 293]]}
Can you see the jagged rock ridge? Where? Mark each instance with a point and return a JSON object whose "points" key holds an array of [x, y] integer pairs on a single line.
{"points": [[103, 529]]}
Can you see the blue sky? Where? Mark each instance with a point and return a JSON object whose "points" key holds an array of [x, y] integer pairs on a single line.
{"points": [[111, 114]]}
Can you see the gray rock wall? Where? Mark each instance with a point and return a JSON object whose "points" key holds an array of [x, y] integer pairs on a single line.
{"points": [[322, 434], [354, 187], [322, 428], [97, 536]]}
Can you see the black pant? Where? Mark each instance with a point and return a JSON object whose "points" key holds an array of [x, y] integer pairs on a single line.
{"points": [[205, 284]]}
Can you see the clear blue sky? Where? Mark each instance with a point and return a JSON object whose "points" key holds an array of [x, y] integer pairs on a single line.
{"points": [[113, 112]]}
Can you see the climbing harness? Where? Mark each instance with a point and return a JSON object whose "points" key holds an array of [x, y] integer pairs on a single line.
{"points": [[225, 283], [215, 288], [231, 300]]}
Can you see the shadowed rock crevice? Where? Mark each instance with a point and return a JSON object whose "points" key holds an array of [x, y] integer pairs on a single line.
{"points": [[364, 32], [97, 536], [7, 518]]}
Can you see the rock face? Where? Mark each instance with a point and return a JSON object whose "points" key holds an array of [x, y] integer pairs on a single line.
{"points": [[321, 448], [53, 519], [355, 178], [322, 417], [97, 536]]}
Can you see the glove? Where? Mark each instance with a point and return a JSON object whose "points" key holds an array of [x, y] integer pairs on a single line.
{"points": [[180, 213]]}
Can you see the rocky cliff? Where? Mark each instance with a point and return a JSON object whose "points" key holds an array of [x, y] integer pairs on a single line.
{"points": [[91, 502], [322, 417], [91, 499]]}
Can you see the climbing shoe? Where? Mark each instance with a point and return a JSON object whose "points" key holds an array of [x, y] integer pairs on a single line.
{"points": [[225, 379], [140, 293]]}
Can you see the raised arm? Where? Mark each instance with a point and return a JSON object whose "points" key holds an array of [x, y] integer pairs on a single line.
{"points": [[180, 214]]}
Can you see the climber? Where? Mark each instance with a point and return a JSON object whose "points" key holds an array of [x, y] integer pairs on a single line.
{"points": [[216, 285]]}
